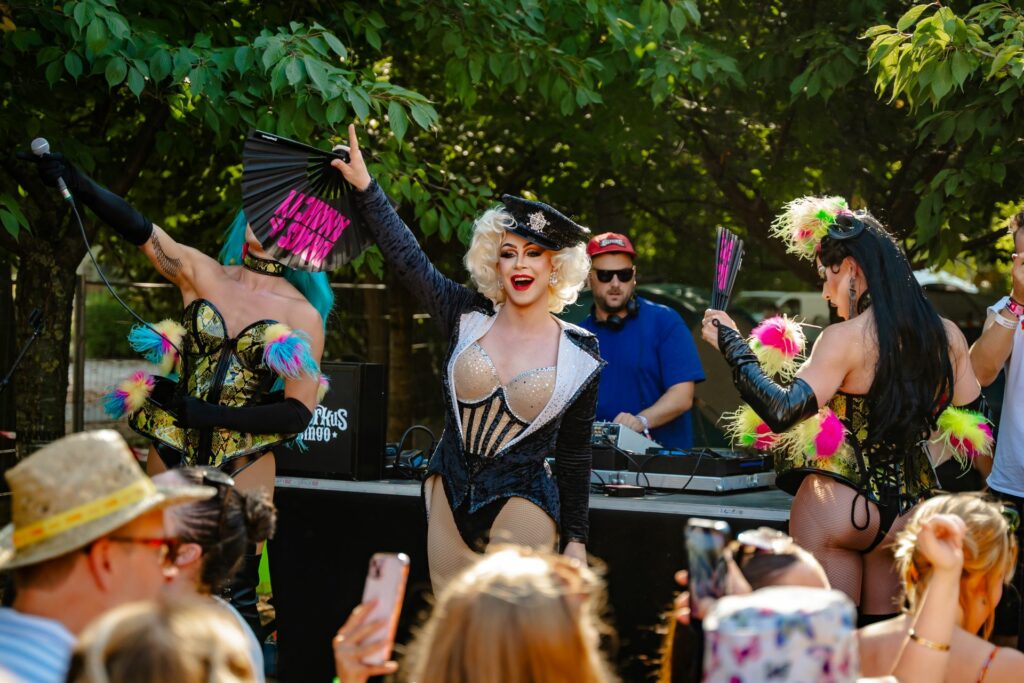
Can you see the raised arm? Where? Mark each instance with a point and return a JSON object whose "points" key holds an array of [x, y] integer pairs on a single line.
{"points": [[174, 261], [443, 298], [780, 406]]}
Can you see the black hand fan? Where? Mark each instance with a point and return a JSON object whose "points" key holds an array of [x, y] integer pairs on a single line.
{"points": [[300, 207], [728, 258]]}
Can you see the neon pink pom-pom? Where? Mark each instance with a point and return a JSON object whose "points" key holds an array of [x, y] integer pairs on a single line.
{"points": [[772, 332], [830, 436], [765, 437]]}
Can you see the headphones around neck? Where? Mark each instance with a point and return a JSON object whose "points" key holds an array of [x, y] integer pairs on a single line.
{"points": [[616, 322]]}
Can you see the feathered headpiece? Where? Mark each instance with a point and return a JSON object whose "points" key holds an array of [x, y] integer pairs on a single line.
{"points": [[803, 222]]}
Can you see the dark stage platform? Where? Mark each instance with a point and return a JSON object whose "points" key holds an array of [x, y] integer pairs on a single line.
{"points": [[328, 530]]}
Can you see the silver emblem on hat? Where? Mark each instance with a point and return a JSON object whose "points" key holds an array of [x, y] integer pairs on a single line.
{"points": [[538, 221]]}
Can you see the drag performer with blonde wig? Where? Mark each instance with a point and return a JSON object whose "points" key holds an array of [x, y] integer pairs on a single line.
{"points": [[865, 406], [520, 385]]}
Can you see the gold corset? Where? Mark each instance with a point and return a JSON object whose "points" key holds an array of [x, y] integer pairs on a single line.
{"points": [[493, 414], [228, 371]]}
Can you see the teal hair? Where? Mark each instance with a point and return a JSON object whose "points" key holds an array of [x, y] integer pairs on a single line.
{"points": [[314, 286]]}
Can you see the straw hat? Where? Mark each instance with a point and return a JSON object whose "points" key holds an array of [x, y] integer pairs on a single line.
{"points": [[76, 490]]}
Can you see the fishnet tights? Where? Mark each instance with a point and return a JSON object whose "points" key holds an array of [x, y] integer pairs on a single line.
{"points": [[820, 521], [520, 522]]}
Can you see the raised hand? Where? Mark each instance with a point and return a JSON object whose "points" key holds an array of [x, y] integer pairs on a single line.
{"points": [[355, 170], [355, 641], [941, 542]]}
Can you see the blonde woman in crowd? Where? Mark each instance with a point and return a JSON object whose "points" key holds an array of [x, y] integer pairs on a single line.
{"points": [[180, 640], [990, 550], [516, 616]]}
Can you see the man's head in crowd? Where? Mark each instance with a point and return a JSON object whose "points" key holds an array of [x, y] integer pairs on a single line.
{"points": [[612, 273], [88, 529]]}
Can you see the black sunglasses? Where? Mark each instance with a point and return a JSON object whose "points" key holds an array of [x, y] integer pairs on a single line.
{"points": [[624, 274]]}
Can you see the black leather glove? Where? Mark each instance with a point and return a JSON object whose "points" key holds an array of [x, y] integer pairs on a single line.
{"points": [[780, 407], [113, 210], [289, 416]]}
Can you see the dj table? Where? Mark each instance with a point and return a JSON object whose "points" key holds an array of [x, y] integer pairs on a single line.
{"points": [[327, 531]]}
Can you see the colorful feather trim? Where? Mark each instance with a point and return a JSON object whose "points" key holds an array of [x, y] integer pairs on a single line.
{"points": [[323, 388], [286, 352], [965, 433], [129, 395], [778, 342], [746, 429], [819, 437], [805, 221], [159, 344]]}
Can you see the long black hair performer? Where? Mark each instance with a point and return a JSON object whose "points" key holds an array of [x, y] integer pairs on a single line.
{"points": [[887, 372], [520, 385]]}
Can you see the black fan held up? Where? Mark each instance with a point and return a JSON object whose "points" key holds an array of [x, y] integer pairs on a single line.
{"points": [[728, 259], [300, 207]]}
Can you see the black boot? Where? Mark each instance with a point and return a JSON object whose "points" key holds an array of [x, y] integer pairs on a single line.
{"points": [[241, 593]]}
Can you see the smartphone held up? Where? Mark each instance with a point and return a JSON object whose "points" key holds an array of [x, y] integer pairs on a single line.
{"points": [[705, 549], [385, 587]]}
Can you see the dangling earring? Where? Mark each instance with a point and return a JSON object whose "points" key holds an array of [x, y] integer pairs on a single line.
{"points": [[553, 279], [853, 301]]}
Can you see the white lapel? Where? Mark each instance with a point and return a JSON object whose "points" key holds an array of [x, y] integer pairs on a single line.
{"points": [[472, 326], [574, 367]]}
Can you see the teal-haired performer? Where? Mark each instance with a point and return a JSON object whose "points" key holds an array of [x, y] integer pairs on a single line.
{"points": [[240, 368]]}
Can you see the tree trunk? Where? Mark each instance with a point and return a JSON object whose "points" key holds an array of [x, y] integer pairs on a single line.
{"points": [[46, 279], [400, 367]]}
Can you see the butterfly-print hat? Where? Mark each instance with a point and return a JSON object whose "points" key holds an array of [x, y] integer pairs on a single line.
{"points": [[785, 634]]}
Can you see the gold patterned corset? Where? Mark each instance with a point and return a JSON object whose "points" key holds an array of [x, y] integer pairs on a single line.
{"points": [[493, 414], [229, 371], [901, 473]]}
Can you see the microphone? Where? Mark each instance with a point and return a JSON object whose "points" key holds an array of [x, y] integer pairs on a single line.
{"points": [[40, 147]]}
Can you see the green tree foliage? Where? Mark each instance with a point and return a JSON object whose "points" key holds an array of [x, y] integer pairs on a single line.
{"points": [[958, 74], [664, 118]]}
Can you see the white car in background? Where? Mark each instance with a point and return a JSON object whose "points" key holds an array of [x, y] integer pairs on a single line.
{"points": [[946, 291]]}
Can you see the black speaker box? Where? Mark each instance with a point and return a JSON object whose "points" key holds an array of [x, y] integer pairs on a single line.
{"points": [[345, 439]]}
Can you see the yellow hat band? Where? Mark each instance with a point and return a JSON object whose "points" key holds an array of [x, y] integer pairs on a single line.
{"points": [[83, 514]]}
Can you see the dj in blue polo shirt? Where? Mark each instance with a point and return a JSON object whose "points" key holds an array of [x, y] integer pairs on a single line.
{"points": [[652, 360]]}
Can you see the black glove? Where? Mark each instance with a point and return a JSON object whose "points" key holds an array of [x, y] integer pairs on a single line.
{"points": [[780, 407], [113, 210], [289, 416]]}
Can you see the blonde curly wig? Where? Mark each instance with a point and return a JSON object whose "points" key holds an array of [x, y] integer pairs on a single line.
{"points": [[571, 265], [989, 547]]}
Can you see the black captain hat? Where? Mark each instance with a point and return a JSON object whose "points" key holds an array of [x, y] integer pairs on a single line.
{"points": [[543, 225]]}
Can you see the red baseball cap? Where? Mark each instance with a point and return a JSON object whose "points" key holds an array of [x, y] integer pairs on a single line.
{"points": [[610, 243]]}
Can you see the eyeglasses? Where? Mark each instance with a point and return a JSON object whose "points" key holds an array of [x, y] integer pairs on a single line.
{"points": [[168, 546], [624, 274], [759, 542]]}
